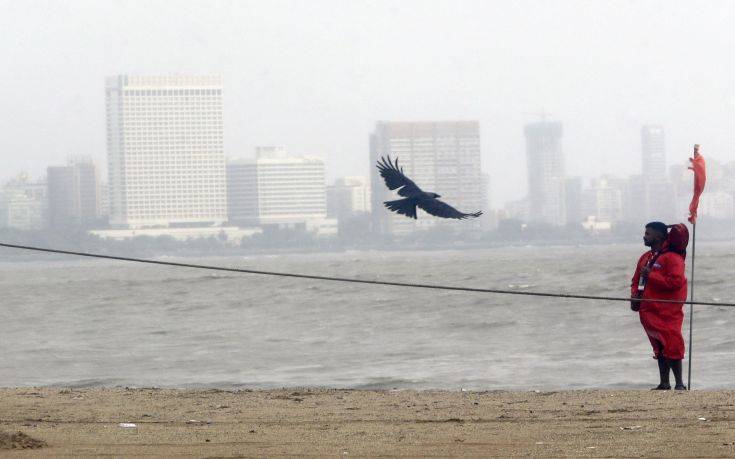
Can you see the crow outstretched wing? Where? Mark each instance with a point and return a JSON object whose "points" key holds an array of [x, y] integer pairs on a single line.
{"points": [[405, 206], [438, 208], [394, 178]]}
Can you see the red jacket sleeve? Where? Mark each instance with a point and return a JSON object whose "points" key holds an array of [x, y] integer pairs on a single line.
{"points": [[636, 277], [671, 275]]}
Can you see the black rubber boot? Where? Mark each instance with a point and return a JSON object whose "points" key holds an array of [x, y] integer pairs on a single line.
{"points": [[676, 368], [663, 373]]}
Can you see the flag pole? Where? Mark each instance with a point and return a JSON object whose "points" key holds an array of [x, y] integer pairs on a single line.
{"points": [[700, 177], [691, 306]]}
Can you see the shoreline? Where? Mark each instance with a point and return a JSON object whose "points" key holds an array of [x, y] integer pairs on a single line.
{"points": [[24, 255], [343, 422]]}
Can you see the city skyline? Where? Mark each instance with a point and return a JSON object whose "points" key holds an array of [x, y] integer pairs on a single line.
{"points": [[291, 70], [655, 164], [71, 198], [634, 195]]}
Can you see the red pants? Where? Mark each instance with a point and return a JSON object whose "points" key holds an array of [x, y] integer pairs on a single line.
{"points": [[662, 323]]}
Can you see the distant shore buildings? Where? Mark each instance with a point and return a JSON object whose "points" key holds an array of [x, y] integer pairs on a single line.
{"points": [[23, 204], [656, 193], [167, 175]]}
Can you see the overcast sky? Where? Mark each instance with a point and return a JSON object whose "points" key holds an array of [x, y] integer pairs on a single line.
{"points": [[316, 75]]}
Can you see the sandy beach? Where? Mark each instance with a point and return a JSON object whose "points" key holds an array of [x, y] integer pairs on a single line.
{"points": [[214, 423]]}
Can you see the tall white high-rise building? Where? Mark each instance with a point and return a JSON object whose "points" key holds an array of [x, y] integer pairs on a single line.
{"points": [[653, 149], [165, 151], [443, 157], [546, 179], [275, 188], [658, 198]]}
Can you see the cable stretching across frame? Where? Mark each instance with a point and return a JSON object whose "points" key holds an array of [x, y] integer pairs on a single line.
{"points": [[359, 281]]}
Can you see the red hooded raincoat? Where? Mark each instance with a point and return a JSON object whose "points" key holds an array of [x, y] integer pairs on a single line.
{"points": [[663, 321]]}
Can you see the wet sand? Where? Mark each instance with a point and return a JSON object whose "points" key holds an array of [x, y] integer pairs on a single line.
{"points": [[212, 423]]}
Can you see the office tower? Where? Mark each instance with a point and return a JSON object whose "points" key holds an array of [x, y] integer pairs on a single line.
{"points": [[87, 182], [608, 199], [546, 180], [73, 195], [23, 204], [291, 189], [242, 192], [165, 151], [35, 189], [653, 149], [275, 188], [659, 201], [63, 199], [443, 157], [348, 196], [104, 202]]}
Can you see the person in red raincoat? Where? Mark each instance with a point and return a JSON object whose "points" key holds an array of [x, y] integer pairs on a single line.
{"points": [[660, 275]]}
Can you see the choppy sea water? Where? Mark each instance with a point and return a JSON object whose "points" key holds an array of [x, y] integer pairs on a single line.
{"points": [[107, 323]]}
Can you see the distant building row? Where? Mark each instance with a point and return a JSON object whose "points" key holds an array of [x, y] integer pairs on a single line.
{"points": [[657, 193], [68, 200], [167, 168]]}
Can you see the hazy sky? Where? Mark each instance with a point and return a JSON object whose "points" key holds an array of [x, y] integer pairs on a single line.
{"points": [[316, 75]]}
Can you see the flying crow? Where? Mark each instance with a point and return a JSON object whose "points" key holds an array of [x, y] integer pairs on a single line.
{"points": [[414, 196]]}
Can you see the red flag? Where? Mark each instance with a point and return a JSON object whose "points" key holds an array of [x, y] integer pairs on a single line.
{"points": [[700, 177]]}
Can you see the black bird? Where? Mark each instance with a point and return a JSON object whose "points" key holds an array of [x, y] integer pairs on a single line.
{"points": [[414, 196]]}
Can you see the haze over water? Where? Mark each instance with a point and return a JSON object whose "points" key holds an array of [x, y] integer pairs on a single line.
{"points": [[316, 76], [90, 323]]}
